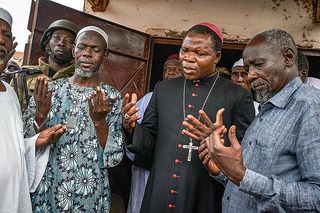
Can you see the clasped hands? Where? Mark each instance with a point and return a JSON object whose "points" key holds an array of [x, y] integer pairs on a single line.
{"points": [[215, 156]]}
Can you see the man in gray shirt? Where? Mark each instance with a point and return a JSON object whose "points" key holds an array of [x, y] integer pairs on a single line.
{"points": [[277, 166]]}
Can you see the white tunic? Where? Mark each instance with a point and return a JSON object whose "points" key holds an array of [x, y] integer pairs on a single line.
{"points": [[14, 153]]}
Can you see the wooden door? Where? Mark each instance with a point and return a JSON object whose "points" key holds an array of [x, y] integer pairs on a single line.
{"points": [[129, 50]]}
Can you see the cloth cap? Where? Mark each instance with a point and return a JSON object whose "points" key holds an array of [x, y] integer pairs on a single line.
{"points": [[214, 28], [173, 57], [5, 15], [95, 29], [238, 63]]}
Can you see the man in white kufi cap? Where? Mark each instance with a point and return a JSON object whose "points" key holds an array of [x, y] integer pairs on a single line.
{"points": [[76, 177], [95, 29], [18, 165], [239, 76], [5, 16]]}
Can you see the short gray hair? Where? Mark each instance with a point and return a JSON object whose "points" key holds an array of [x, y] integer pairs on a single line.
{"points": [[278, 40]]}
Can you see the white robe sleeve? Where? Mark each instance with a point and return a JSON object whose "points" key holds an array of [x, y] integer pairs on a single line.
{"points": [[36, 162]]}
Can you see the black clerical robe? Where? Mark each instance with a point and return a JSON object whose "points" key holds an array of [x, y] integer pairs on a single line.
{"points": [[175, 184]]}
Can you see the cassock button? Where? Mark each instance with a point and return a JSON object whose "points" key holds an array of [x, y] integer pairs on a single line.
{"points": [[177, 161], [197, 84], [194, 94], [175, 176], [180, 146], [173, 191], [190, 106], [171, 206]]}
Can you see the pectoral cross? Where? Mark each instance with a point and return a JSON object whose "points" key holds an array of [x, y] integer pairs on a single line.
{"points": [[190, 147]]}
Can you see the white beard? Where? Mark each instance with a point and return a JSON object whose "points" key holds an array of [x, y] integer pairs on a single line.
{"points": [[85, 74]]}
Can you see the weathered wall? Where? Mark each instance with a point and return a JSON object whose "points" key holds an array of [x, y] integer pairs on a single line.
{"points": [[238, 19]]}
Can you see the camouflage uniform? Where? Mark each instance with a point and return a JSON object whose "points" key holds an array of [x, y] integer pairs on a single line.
{"points": [[42, 69]]}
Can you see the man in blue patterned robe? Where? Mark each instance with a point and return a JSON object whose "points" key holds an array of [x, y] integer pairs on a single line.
{"points": [[76, 175]]}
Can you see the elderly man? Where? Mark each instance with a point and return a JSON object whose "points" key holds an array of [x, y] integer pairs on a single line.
{"points": [[76, 177], [178, 182], [239, 76], [303, 71], [57, 43], [18, 165], [277, 167], [303, 67]]}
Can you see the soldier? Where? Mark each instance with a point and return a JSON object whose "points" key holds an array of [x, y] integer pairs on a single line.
{"points": [[57, 43]]}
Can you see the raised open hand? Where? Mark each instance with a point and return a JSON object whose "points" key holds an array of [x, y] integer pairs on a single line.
{"points": [[99, 107], [50, 135], [129, 112], [42, 97], [228, 159], [197, 130]]}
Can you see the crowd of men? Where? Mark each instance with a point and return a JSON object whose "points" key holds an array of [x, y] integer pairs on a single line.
{"points": [[248, 144]]}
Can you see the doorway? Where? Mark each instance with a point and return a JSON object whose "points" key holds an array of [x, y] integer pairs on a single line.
{"points": [[161, 48]]}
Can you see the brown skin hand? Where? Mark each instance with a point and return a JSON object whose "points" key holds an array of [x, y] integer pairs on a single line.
{"points": [[208, 128], [98, 110], [228, 159], [50, 136], [197, 130], [42, 97], [205, 159], [130, 108]]}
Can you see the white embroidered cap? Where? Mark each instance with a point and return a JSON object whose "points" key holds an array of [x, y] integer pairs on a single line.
{"points": [[5, 15], [238, 63], [95, 29]]}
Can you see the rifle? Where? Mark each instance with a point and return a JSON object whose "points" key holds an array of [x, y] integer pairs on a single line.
{"points": [[23, 76]]}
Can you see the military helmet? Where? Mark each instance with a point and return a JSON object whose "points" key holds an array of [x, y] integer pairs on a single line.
{"points": [[61, 24]]}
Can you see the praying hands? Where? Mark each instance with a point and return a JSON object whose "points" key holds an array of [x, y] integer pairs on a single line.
{"points": [[215, 156], [99, 107]]}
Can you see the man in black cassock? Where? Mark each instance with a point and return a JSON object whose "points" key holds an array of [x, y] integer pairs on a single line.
{"points": [[181, 109]]}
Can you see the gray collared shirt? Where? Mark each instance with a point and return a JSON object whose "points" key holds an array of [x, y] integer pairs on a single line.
{"points": [[281, 151]]}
